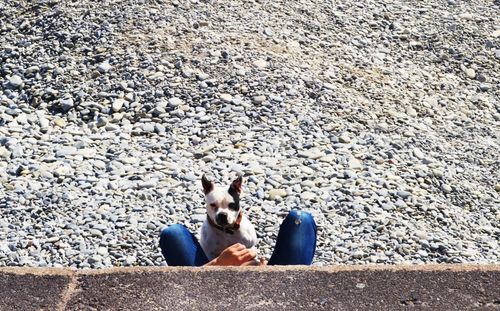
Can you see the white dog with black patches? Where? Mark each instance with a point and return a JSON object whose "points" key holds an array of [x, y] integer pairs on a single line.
{"points": [[225, 224]]}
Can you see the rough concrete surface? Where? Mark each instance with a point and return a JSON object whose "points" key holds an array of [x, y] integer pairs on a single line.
{"points": [[272, 288], [28, 289]]}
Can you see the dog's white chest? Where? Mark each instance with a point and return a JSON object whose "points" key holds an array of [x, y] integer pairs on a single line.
{"points": [[214, 241]]}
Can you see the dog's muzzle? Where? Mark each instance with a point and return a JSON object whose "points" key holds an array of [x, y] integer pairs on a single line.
{"points": [[221, 219]]}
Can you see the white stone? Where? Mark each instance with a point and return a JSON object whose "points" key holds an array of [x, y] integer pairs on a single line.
{"points": [[175, 102], [344, 138], [104, 67], [418, 153], [260, 63], [471, 73], [226, 97], [446, 188], [118, 104], [277, 193]]}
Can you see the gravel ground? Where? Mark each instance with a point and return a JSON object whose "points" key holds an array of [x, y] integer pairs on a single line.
{"points": [[382, 118]]}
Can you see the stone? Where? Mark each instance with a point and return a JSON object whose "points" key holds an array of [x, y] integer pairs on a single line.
{"points": [[148, 127], [130, 260], [355, 164], [471, 73], [202, 76], [446, 188], [410, 111], [103, 251], [258, 99], [67, 104], [344, 138], [403, 194], [118, 104], [308, 195], [175, 102], [147, 184], [60, 122], [276, 193], [467, 16], [198, 218], [423, 253], [104, 67], [96, 233], [226, 97], [260, 63], [418, 153], [313, 154], [87, 153], [101, 121], [268, 32], [16, 81], [66, 151], [4, 153]]}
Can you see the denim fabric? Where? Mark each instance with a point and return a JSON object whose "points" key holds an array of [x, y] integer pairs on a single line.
{"points": [[296, 242], [295, 245], [180, 247]]}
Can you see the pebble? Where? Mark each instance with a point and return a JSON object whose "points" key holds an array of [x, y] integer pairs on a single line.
{"points": [[355, 164], [96, 233], [198, 218], [410, 111], [260, 63], [446, 188], [99, 148], [16, 81], [175, 102], [276, 194], [4, 153], [67, 104], [344, 138], [471, 73], [130, 260], [423, 253], [313, 154], [60, 122], [118, 104], [418, 153], [104, 67], [467, 16], [404, 194], [258, 99], [226, 97]]}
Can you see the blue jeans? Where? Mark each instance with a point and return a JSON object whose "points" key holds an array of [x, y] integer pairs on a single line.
{"points": [[295, 245]]}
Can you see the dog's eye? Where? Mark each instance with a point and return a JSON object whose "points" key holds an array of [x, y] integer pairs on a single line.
{"points": [[233, 206], [213, 205]]}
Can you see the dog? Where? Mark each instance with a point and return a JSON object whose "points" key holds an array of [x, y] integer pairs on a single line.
{"points": [[225, 224]]}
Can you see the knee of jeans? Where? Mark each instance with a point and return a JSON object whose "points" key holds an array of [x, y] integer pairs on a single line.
{"points": [[300, 216], [172, 231]]}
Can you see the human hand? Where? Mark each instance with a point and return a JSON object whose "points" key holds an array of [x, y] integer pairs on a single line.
{"points": [[261, 262], [235, 255]]}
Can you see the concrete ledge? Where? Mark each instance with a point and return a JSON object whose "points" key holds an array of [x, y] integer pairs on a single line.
{"points": [[444, 287]]}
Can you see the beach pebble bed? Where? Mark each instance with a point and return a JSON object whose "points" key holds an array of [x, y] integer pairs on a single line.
{"points": [[381, 118]]}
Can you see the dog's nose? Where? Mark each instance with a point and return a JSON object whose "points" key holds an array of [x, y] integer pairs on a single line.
{"points": [[221, 219]]}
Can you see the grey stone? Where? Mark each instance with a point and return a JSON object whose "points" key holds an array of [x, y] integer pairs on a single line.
{"points": [[16, 81], [104, 67]]}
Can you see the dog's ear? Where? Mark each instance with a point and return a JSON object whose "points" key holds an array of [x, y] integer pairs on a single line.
{"points": [[207, 184], [236, 184]]}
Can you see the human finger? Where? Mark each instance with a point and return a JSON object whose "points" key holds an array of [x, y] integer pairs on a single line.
{"points": [[247, 256], [237, 247]]}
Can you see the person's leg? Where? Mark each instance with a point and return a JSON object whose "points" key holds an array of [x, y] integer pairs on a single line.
{"points": [[296, 242], [180, 247]]}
